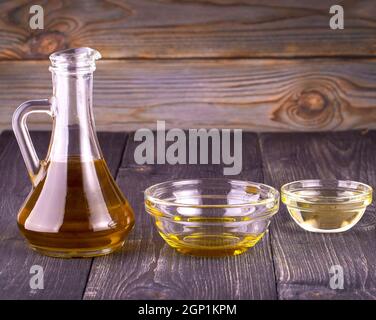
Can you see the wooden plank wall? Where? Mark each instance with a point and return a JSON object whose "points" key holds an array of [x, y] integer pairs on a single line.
{"points": [[262, 65]]}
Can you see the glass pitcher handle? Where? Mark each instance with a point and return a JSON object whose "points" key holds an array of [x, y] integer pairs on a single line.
{"points": [[23, 136]]}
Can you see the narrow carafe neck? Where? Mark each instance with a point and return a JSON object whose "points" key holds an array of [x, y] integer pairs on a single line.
{"points": [[73, 99], [74, 132]]}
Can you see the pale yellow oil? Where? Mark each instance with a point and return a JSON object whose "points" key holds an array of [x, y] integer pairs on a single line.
{"points": [[327, 210]]}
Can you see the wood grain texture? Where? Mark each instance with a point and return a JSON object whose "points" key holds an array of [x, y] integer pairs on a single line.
{"points": [[186, 29], [63, 278], [302, 259], [260, 95], [147, 268]]}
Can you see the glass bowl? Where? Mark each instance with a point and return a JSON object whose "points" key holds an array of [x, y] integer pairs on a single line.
{"points": [[326, 205], [211, 217]]}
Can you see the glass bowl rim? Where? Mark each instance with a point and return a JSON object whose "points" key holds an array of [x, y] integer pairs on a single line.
{"points": [[368, 190], [274, 198]]}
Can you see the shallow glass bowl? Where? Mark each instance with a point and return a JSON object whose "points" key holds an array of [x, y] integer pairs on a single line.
{"points": [[211, 217], [326, 205]]}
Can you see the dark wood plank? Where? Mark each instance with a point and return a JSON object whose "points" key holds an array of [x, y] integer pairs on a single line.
{"points": [[260, 95], [185, 29], [148, 268], [302, 259], [63, 279]]}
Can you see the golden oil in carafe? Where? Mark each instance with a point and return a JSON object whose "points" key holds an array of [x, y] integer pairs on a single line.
{"points": [[76, 210]]}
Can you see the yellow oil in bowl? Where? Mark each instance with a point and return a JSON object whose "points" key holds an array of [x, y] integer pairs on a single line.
{"points": [[211, 217], [211, 239]]}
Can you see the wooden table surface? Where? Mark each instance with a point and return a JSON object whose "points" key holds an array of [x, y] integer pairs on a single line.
{"points": [[288, 263]]}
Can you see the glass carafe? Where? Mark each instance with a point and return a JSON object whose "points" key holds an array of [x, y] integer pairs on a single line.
{"points": [[75, 208]]}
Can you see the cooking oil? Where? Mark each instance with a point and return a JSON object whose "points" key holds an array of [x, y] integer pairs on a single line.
{"points": [[211, 217], [209, 236], [326, 210], [211, 245], [76, 210]]}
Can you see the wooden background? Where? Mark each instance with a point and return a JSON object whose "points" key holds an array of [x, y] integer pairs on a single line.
{"points": [[262, 65]]}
